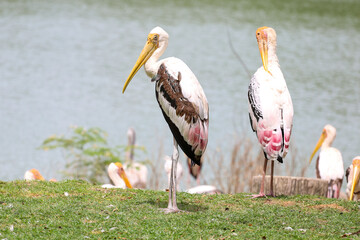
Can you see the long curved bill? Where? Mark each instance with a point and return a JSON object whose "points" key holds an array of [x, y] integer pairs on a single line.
{"points": [[145, 54], [263, 48], [125, 178], [318, 145], [356, 178]]}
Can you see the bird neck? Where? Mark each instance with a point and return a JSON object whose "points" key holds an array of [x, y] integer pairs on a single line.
{"points": [[152, 64], [327, 142], [272, 58], [116, 179]]}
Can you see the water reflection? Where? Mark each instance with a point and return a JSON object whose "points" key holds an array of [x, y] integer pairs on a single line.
{"points": [[64, 63]]}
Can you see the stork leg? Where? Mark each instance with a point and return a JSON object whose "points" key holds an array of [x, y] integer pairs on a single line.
{"points": [[272, 180], [198, 180], [262, 193], [172, 206]]}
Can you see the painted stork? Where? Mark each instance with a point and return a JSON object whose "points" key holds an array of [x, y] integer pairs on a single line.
{"points": [[118, 177], [179, 171], [329, 164], [270, 106], [181, 99], [33, 174], [136, 172], [353, 179]]}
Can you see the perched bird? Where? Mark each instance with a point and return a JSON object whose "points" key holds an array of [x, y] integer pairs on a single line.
{"points": [[352, 178], [118, 177], [329, 164], [270, 106], [33, 174], [181, 99], [136, 172], [179, 171], [195, 169]]}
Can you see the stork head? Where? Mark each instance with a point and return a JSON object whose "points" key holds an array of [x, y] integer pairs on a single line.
{"points": [[328, 134], [355, 175], [122, 174], [33, 174], [156, 38], [265, 37]]}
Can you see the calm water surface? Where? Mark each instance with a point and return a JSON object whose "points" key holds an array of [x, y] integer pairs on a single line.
{"points": [[64, 63]]}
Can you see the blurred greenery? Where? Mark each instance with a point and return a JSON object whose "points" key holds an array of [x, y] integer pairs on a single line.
{"points": [[87, 152]]}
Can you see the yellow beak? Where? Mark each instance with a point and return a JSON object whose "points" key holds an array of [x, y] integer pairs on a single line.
{"points": [[37, 174], [318, 145], [263, 48], [355, 180], [145, 54], [125, 178]]}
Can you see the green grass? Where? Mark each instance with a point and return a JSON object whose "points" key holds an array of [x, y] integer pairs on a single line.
{"points": [[41, 210]]}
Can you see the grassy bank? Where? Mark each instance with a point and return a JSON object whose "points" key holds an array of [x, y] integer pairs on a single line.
{"points": [[79, 210]]}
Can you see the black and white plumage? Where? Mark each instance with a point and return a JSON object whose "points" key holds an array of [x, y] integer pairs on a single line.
{"points": [[181, 99], [270, 106]]}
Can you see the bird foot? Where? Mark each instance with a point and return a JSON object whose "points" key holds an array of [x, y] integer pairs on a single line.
{"points": [[261, 195], [258, 195], [171, 210]]}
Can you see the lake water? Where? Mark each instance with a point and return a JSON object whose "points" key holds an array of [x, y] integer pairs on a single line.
{"points": [[64, 63]]}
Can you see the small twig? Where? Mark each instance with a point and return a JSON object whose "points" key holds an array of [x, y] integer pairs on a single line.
{"points": [[236, 54]]}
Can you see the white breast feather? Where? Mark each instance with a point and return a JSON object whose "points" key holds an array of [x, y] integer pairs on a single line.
{"points": [[331, 164]]}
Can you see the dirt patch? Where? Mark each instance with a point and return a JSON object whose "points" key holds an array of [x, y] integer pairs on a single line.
{"points": [[281, 203], [327, 206]]}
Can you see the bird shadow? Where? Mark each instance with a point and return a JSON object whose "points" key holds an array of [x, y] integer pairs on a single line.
{"points": [[183, 206]]}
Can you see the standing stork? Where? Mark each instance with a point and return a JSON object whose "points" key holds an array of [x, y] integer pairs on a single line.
{"points": [[329, 164], [353, 179], [181, 99], [270, 106]]}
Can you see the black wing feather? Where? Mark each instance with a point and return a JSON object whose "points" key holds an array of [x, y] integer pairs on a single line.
{"points": [[255, 105]]}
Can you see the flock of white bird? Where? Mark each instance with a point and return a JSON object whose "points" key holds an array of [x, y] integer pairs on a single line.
{"points": [[185, 109]]}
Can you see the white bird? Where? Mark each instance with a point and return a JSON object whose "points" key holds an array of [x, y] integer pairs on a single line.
{"points": [[136, 172], [270, 106], [329, 164], [204, 189], [181, 99], [353, 179], [33, 174], [179, 171], [118, 177]]}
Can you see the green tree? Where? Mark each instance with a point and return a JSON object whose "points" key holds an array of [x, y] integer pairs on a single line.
{"points": [[87, 152]]}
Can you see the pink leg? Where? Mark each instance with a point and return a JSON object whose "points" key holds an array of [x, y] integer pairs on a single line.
{"points": [[262, 193], [272, 180], [198, 180]]}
